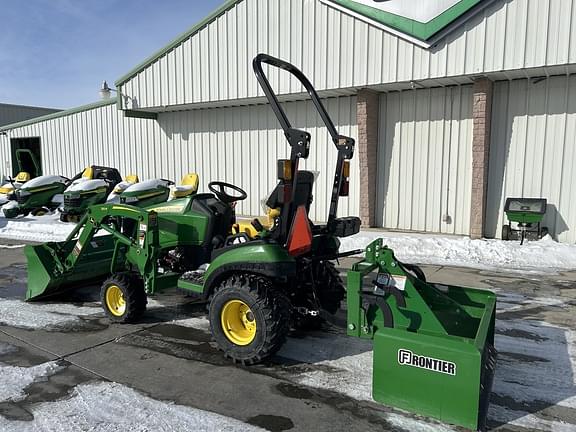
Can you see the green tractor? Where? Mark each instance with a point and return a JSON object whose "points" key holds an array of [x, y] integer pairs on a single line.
{"points": [[435, 344], [254, 285]]}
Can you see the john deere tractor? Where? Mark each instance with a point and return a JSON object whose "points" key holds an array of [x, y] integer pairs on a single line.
{"points": [[433, 345], [255, 282]]}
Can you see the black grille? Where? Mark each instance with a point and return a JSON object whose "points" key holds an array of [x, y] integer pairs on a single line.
{"points": [[72, 202], [21, 199]]}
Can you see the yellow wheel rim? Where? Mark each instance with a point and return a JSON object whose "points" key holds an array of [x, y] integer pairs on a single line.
{"points": [[115, 300], [238, 322]]}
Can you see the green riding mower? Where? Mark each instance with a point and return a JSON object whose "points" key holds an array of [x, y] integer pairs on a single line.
{"points": [[27, 168], [147, 193], [37, 197], [259, 282], [91, 186]]}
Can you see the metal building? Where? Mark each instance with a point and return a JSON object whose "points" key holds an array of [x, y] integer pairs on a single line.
{"points": [[10, 113], [455, 107]]}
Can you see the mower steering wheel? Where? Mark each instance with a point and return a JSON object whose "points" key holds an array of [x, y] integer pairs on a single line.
{"points": [[218, 189]]}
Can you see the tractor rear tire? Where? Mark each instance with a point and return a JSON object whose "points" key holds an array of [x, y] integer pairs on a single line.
{"points": [[329, 286], [330, 291], [249, 319], [506, 232], [123, 298]]}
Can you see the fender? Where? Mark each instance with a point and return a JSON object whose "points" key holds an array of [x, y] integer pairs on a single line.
{"points": [[258, 257]]}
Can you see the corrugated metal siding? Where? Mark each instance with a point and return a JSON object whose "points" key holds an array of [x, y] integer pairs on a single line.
{"points": [[15, 113], [425, 160], [532, 151], [239, 145], [338, 51]]}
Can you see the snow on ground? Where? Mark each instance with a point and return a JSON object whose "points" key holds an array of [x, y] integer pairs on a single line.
{"points": [[35, 228], [47, 316], [15, 379], [102, 406], [543, 256]]}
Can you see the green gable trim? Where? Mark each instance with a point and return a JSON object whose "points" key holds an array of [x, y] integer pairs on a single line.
{"points": [[422, 31], [176, 42], [59, 114]]}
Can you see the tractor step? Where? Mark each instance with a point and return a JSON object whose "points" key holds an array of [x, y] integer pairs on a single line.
{"points": [[192, 281]]}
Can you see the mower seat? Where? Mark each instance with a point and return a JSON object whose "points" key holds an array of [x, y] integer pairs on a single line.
{"points": [[88, 173], [22, 177], [132, 178], [188, 186]]}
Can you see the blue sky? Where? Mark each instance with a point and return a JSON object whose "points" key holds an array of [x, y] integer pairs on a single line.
{"points": [[56, 53]]}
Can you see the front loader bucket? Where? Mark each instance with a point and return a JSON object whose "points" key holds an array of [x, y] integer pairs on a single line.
{"points": [[46, 274], [433, 345]]}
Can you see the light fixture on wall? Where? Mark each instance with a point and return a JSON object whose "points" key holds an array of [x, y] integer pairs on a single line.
{"points": [[106, 92]]}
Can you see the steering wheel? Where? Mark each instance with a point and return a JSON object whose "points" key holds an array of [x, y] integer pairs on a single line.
{"points": [[218, 189]]}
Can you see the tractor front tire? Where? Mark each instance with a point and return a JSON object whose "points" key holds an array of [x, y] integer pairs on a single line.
{"points": [[249, 319], [123, 298]]}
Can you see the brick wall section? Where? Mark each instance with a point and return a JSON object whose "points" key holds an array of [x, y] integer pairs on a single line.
{"points": [[482, 112], [368, 106]]}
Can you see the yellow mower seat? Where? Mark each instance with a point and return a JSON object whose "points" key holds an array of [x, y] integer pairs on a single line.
{"points": [[188, 186], [132, 178], [88, 173], [22, 177]]}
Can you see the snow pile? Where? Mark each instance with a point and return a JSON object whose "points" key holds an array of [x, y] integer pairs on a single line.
{"points": [[35, 228], [14, 379], [51, 316], [544, 255], [111, 407]]}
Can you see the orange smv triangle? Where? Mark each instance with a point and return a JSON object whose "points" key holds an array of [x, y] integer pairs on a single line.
{"points": [[300, 238]]}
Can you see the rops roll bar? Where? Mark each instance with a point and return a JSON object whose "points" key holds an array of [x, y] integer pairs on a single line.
{"points": [[300, 140]]}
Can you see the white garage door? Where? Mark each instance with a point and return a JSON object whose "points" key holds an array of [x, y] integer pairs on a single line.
{"points": [[425, 160], [533, 151]]}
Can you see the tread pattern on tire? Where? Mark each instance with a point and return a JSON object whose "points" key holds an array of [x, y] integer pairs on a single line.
{"points": [[275, 308], [134, 295], [329, 286]]}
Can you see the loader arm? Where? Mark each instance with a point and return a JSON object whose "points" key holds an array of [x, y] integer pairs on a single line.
{"points": [[83, 256]]}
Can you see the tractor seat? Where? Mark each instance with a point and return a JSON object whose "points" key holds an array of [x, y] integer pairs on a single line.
{"points": [[188, 186], [22, 177]]}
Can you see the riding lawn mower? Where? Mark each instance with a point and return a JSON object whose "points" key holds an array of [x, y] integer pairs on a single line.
{"points": [[433, 345]]}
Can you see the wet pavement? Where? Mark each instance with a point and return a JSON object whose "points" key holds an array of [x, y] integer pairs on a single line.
{"points": [[308, 386]]}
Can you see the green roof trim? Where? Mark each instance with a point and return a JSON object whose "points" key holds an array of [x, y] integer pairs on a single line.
{"points": [[229, 4], [59, 114], [422, 31]]}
